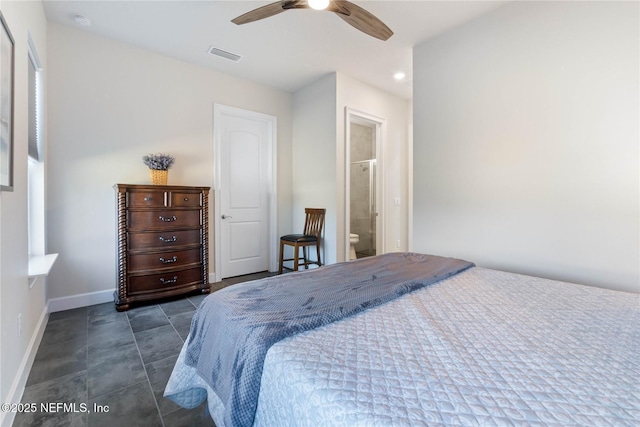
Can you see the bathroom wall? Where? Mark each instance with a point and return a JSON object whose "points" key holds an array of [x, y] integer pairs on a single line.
{"points": [[363, 145]]}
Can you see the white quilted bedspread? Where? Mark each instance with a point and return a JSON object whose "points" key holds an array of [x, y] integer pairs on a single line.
{"points": [[482, 348]]}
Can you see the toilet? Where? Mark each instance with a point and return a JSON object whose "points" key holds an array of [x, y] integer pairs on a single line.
{"points": [[353, 240]]}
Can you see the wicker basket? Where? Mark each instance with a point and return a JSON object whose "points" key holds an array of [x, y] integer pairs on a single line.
{"points": [[159, 177]]}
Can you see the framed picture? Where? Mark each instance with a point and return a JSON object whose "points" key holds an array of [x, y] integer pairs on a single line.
{"points": [[6, 106]]}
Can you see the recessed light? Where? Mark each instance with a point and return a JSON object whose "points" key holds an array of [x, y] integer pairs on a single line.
{"points": [[399, 76], [82, 20]]}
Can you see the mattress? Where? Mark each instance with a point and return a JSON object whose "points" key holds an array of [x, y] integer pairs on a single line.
{"points": [[481, 348]]}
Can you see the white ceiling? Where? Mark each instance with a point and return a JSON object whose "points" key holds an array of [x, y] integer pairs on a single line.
{"points": [[288, 50]]}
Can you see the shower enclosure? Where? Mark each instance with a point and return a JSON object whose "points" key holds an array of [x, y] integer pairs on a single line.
{"points": [[363, 206]]}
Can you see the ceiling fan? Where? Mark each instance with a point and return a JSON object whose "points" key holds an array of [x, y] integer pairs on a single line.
{"points": [[354, 15]]}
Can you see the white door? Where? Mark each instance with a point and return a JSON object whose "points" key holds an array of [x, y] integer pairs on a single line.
{"points": [[244, 151]]}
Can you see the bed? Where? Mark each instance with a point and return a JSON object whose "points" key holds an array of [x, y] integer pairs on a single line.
{"points": [[477, 347]]}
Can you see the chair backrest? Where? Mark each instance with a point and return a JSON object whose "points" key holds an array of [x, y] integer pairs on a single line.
{"points": [[314, 221]]}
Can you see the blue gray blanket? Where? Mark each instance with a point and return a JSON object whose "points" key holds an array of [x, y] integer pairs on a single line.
{"points": [[234, 328]]}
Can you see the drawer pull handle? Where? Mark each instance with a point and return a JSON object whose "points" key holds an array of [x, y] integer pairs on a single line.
{"points": [[186, 199], [147, 199], [169, 219], [168, 261], [167, 240], [168, 282]]}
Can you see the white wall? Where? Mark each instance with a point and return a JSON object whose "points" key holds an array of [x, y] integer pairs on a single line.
{"points": [[17, 350], [362, 97], [111, 103], [526, 142], [314, 154]]}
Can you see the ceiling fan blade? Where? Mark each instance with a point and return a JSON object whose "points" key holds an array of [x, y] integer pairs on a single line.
{"points": [[362, 20], [260, 13]]}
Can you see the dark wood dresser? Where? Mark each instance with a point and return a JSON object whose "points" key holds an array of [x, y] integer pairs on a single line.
{"points": [[163, 240]]}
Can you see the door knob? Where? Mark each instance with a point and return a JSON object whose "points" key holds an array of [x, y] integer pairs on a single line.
{"points": [[226, 216]]}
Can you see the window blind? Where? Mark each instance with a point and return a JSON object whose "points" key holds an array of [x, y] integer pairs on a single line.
{"points": [[34, 137]]}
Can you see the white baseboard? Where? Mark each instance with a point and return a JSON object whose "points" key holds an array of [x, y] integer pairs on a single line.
{"points": [[212, 277], [80, 300], [20, 380]]}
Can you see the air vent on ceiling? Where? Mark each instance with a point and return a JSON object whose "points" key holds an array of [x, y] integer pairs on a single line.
{"points": [[224, 54]]}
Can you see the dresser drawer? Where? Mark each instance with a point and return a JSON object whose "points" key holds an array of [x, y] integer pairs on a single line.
{"points": [[185, 199], [169, 280], [152, 199], [163, 239], [163, 219], [164, 260]]}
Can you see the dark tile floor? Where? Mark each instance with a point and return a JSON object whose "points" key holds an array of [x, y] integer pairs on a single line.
{"points": [[120, 361]]}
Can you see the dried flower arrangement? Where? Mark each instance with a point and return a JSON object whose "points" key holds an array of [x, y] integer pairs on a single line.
{"points": [[158, 161]]}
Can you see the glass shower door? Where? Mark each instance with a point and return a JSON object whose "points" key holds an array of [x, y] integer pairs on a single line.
{"points": [[363, 206]]}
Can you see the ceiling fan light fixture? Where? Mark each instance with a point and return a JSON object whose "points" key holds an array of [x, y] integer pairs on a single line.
{"points": [[351, 13], [319, 4]]}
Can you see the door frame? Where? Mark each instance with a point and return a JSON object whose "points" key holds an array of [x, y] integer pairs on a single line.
{"points": [[220, 110], [380, 125]]}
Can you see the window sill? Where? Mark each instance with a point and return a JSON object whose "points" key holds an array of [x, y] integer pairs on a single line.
{"points": [[39, 266]]}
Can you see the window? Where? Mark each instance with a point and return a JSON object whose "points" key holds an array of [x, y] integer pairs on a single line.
{"points": [[39, 263]]}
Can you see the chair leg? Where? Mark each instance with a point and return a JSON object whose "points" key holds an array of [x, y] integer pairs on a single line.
{"points": [[296, 254], [281, 256], [304, 258], [318, 253]]}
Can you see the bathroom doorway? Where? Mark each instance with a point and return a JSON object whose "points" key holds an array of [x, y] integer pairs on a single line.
{"points": [[364, 219]]}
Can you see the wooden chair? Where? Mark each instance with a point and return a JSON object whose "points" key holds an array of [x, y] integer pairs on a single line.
{"points": [[314, 221]]}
